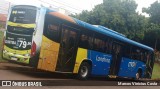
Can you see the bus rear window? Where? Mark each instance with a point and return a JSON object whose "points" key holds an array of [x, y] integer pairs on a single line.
{"points": [[23, 15]]}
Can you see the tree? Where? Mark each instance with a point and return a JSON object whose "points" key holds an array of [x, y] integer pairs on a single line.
{"points": [[152, 36], [153, 12], [118, 15], [1, 26]]}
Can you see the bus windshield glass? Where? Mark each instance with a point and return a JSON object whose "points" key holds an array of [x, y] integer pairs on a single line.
{"points": [[22, 14], [20, 30]]}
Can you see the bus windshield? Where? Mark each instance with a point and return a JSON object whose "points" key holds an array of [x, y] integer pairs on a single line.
{"points": [[20, 30], [22, 14]]}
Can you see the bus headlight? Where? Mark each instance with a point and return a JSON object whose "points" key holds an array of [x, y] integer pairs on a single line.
{"points": [[27, 55], [4, 51]]}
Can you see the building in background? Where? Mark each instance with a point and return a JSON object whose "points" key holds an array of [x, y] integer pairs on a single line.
{"points": [[3, 18], [4, 6]]}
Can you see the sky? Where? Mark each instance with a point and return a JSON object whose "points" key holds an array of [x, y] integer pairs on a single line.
{"points": [[76, 6]]}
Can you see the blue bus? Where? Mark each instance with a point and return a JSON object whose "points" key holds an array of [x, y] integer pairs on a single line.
{"points": [[60, 43]]}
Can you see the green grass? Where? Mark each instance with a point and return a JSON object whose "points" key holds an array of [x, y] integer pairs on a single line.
{"points": [[156, 71], [1, 39]]}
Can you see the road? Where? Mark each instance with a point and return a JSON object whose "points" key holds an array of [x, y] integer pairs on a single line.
{"points": [[16, 72]]}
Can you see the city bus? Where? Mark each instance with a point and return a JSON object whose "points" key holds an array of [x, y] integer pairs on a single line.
{"points": [[50, 41]]}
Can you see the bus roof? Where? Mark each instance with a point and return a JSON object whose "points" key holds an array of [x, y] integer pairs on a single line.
{"points": [[111, 34]]}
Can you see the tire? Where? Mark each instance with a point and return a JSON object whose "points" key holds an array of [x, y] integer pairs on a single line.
{"points": [[138, 75], [84, 71]]}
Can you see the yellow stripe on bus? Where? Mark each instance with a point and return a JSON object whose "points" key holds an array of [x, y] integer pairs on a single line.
{"points": [[21, 25], [81, 55], [16, 51]]}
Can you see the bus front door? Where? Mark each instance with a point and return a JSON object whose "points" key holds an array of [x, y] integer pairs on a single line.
{"points": [[116, 59], [68, 48]]}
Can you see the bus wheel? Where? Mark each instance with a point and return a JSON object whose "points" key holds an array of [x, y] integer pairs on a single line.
{"points": [[84, 71], [138, 75]]}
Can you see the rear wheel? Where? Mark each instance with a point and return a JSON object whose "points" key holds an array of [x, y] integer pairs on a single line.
{"points": [[84, 71], [138, 75]]}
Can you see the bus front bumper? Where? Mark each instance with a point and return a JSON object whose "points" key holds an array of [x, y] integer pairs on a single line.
{"points": [[16, 57]]}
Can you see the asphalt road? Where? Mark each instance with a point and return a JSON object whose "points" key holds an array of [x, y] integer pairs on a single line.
{"points": [[17, 72]]}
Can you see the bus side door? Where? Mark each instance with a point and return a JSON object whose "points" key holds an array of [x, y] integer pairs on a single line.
{"points": [[68, 48], [116, 58]]}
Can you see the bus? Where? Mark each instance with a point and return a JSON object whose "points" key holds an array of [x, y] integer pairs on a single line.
{"points": [[50, 41]]}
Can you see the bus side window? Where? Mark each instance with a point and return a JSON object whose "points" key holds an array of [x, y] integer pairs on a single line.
{"points": [[133, 53], [127, 51], [106, 48], [110, 46], [52, 31], [51, 28], [99, 45], [86, 41], [136, 53], [143, 55]]}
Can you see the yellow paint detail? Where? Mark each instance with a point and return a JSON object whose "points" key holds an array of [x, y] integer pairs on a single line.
{"points": [[21, 25], [14, 12], [81, 55], [21, 52], [48, 54]]}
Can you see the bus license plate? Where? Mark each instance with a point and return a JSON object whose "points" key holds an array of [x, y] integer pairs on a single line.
{"points": [[13, 58]]}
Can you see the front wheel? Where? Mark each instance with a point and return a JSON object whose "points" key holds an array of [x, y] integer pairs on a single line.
{"points": [[138, 75], [84, 71]]}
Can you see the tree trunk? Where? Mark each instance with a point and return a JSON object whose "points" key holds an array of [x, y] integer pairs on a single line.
{"points": [[155, 47]]}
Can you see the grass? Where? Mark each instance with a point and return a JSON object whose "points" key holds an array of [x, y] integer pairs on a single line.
{"points": [[1, 39], [156, 71]]}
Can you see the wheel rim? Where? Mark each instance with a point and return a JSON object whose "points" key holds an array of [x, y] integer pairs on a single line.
{"points": [[137, 75], [84, 71]]}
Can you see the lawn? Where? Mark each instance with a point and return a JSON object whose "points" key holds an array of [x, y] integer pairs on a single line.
{"points": [[156, 71], [1, 38]]}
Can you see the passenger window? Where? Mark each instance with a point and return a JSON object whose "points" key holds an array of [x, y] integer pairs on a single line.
{"points": [[51, 28], [99, 45], [136, 53], [86, 41], [127, 51], [52, 31]]}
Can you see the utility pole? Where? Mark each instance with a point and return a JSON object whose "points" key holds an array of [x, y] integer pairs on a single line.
{"points": [[9, 7]]}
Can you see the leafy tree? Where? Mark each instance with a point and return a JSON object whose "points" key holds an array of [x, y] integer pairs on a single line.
{"points": [[153, 12], [152, 36], [119, 15]]}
